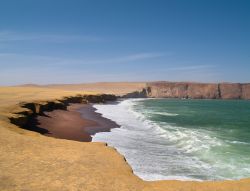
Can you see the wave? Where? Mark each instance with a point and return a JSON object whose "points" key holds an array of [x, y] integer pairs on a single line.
{"points": [[163, 113], [238, 142], [158, 150]]}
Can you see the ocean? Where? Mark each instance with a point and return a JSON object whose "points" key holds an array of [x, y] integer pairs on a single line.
{"points": [[181, 139]]}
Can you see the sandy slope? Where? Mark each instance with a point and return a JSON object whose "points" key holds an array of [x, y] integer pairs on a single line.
{"points": [[30, 161], [118, 88]]}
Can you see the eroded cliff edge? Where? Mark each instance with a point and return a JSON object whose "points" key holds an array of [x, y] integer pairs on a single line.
{"points": [[32, 109], [194, 90]]}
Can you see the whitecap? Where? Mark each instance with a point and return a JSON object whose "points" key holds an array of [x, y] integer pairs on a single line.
{"points": [[160, 150]]}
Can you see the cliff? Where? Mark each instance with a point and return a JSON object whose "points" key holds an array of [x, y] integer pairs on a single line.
{"points": [[32, 109], [198, 90], [245, 91]]}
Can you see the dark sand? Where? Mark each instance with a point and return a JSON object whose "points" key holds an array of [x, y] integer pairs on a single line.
{"points": [[78, 123]]}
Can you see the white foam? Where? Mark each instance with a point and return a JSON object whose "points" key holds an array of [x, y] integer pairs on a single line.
{"points": [[238, 142], [159, 151], [164, 113]]}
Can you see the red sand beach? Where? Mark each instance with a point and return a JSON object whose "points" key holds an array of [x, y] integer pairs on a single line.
{"points": [[78, 123]]}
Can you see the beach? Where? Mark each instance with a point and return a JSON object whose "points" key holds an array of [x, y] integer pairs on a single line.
{"points": [[77, 123], [32, 161]]}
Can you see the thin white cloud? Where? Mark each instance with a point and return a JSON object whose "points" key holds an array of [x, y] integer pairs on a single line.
{"points": [[6, 37], [193, 67], [128, 58], [10, 60]]}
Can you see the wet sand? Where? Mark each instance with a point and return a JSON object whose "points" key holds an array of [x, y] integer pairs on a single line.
{"points": [[78, 123]]}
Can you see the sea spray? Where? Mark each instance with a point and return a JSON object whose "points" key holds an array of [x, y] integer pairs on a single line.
{"points": [[181, 139]]}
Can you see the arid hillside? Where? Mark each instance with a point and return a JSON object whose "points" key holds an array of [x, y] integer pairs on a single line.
{"points": [[118, 88]]}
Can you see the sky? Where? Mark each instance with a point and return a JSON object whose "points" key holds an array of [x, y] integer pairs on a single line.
{"points": [[79, 41]]}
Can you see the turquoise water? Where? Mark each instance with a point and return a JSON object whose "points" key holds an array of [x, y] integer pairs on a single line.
{"points": [[182, 139]]}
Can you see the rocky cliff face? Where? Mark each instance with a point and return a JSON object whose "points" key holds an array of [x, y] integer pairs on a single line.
{"points": [[245, 91], [170, 90], [198, 90], [230, 91], [203, 91]]}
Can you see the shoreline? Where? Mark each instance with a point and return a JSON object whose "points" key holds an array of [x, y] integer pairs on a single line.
{"points": [[58, 164], [139, 159], [78, 122]]}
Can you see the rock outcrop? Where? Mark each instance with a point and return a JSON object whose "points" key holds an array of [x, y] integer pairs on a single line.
{"points": [[137, 94], [198, 90]]}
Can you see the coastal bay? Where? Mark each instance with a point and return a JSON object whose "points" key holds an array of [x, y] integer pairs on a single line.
{"points": [[59, 164]]}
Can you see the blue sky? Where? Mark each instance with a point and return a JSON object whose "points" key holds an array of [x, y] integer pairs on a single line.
{"points": [[73, 41]]}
